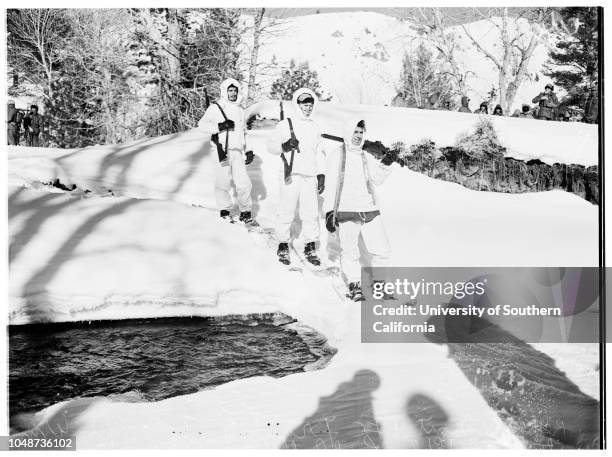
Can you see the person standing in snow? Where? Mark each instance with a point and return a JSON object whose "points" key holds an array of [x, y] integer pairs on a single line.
{"points": [[32, 125], [351, 205], [12, 124], [591, 108], [498, 111], [225, 122], [547, 102], [465, 105], [431, 102], [525, 112], [482, 109], [298, 141]]}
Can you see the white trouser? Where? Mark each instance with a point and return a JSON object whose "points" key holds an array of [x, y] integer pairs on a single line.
{"points": [[302, 190], [374, 239], [234, 169]]}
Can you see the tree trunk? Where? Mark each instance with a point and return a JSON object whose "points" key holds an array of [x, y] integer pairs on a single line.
{"points": [[172, 44], [254, 54], [522, 70]]}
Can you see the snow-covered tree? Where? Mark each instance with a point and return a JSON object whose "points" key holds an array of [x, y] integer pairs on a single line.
{"points": [[432, 24], [77, 58], [185, 55], [422, 78], [574, 61], [36, 40], [293, 78], [517, 42]]}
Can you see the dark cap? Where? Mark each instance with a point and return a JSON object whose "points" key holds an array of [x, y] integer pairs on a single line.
{"points": [[308, 99]]}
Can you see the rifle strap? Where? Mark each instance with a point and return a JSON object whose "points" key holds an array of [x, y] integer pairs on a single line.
{"points": [[215, 137]]}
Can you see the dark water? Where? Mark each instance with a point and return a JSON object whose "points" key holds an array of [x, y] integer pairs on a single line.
{"points": [[151, 358]]}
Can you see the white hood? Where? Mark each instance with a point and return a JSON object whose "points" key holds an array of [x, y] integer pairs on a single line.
{"points": [[297, 94], [223, 90], [349, 129]]}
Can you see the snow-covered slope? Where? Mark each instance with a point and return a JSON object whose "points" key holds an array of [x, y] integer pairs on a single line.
{"points": [[358, 55], [84, 258], [178, 168], [76, 256]]}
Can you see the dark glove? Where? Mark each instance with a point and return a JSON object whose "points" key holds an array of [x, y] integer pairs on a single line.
{"points": [[331, 222], [389, 158], [249, 157], [320, 183], [376, 148], [226, 125], [290, 144]]}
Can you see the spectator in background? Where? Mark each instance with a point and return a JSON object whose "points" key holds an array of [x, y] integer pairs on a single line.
{"points": [[32, 125], [547, 102], [525, 112], [498, 111], [483, 108], [465, 105], [431, 102], [12, 124], [564, 116], [591, 108]]}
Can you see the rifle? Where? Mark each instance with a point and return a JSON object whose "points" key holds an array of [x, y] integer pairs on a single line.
{"points": [[376, 148]]}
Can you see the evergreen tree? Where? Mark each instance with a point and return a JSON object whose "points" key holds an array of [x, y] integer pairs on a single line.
{"points": [[574, 64], [574, 61], [210, 52], [295, 77]]}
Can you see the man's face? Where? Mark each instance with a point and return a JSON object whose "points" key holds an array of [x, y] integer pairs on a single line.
{"points": [[358, 136], [306, 103], [34, 110], [232, 93], [548, 90]]}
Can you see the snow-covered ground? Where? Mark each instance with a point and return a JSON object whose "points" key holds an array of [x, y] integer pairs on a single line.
{"points": [[358, 55], [145, 251]]}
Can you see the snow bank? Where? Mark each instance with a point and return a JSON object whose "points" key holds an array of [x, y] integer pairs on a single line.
{"points": [[147, 252], [525, 139]]}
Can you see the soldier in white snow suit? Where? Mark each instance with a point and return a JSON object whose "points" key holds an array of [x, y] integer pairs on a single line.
{"points": [[351, 205], [225, 122], [298, 141]]}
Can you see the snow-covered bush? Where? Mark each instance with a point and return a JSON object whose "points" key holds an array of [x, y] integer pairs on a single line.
{"points": [[425, 149], [483, 142]]}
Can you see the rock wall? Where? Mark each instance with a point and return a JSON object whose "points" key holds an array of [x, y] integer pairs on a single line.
{"points": [[494, 172]]}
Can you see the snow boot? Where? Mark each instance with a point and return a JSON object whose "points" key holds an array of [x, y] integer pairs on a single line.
{"points": [[311, 254], [283, 253], [355, 293], [247, 219], [225, 214]]}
